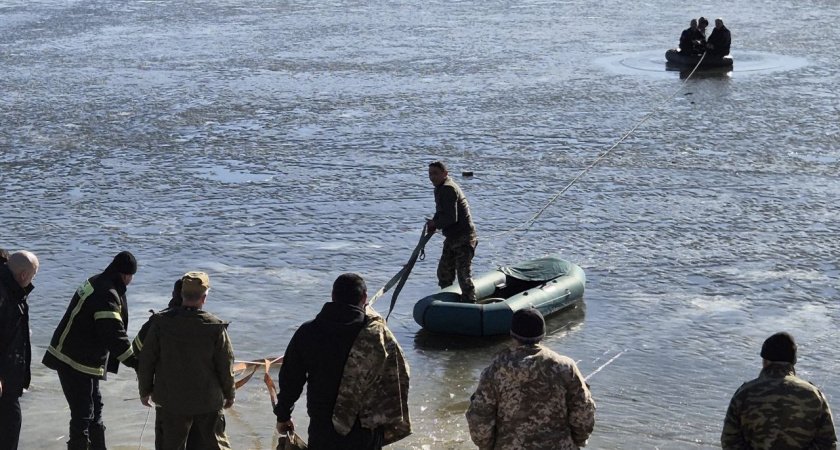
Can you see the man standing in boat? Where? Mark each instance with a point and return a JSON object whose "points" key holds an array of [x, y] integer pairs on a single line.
{"points": [[719, 41], [778, 410], [355, 374], [530, 397], [452, 218]]}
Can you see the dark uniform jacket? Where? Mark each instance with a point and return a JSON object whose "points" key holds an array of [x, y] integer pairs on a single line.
{"points": [[452, 213], [187, 362], [15, 349], [778, 411], [687, 39], [720, 40], [316, 356], [91, 336]]}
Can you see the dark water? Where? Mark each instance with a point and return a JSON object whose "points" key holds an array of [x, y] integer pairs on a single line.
{"points": [[276, 145]]}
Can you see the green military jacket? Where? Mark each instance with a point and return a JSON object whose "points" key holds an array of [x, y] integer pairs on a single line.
{"points": [[778, 411], [187, 362], [374, 386]]}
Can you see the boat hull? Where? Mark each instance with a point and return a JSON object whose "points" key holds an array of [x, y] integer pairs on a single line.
{"points": [[673, 56], [500, 294]]}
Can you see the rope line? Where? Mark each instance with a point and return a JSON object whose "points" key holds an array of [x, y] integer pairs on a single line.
{"points": [[139, 446], [533, 218]]}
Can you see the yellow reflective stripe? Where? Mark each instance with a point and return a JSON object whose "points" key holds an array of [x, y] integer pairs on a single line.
{"points": [[84, 292], [138, 343], [96, 371], [126, 354], [107, 315]]}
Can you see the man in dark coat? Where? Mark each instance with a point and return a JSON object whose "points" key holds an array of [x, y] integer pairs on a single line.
{"points": [[452, 217], [316, 357], [719, 41], [689, 37], [15, 350], [90, 341]]}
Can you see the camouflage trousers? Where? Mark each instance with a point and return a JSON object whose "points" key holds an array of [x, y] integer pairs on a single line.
{"points": [[456, 260]]}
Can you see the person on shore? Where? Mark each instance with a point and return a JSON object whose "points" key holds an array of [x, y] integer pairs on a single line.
{"points": [[355, 372], [778, 410], [16, 275], [4, 255], [90, 341], [530, 397], [452, 218], [194, 440], [186, 367], [719, 41], [690, 39]]}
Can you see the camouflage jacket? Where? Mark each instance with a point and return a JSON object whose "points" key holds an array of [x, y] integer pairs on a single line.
{"points": [[374, 386], [778, 411], [531, 398]]}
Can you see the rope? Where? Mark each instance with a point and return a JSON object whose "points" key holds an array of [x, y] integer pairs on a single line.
{"points": [[604, 365], [139, 446], [402, 275], [533, 218]]}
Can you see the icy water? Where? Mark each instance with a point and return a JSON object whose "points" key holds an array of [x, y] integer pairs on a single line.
{"points": [[278, 144]]}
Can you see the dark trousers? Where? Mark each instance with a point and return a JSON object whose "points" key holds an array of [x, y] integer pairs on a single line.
{"points": [[193, 440], [85, 400], [322, 436], [10, 420], [179, 429]]}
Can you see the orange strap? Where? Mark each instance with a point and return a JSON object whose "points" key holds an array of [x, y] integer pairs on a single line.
{"points": [[250, 368]]}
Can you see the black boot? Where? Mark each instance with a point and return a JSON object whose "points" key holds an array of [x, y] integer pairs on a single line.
{"points": [[97, 437], [78, 444]]}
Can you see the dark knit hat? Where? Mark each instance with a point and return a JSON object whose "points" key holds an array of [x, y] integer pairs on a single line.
{"points": [[124, 263], [527, 326], [779, 348]]}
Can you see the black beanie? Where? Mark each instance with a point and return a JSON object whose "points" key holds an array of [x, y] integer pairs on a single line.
{"points": [[527, 326], [124, 263], [779, 348]]}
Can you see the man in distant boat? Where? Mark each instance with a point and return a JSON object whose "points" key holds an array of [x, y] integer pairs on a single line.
{"points": [[186, 367], [16, 274], [719, 41], [778, 410], [690, 40], [355, 374], [452, 218], [530, 397], [90, 341]]}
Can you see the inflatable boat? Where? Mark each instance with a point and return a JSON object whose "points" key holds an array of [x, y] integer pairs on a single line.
{"points": [[674, 56], [548, 284]]}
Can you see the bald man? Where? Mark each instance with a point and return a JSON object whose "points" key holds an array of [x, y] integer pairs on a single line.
{"points": [[15, 351]]}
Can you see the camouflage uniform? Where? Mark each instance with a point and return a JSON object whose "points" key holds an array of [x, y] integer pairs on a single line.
{"points": [[531, 398], [778, 411], [452, 217], [374, 385]]}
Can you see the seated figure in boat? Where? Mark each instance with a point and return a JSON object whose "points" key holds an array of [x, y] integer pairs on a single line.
{"points": [[719, 41], [690, 40]]}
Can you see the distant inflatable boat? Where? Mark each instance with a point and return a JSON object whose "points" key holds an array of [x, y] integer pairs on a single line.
{"points": [[548, 284], [674, 56]]}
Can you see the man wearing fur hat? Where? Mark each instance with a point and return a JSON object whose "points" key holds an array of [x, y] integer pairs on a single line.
{"points": [[531, 397], [778, 410], [90, 341]]}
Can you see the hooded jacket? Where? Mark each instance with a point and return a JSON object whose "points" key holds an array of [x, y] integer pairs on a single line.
{"points": [[91, 336], [187, 362], [15, 349], [452, 212]]}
